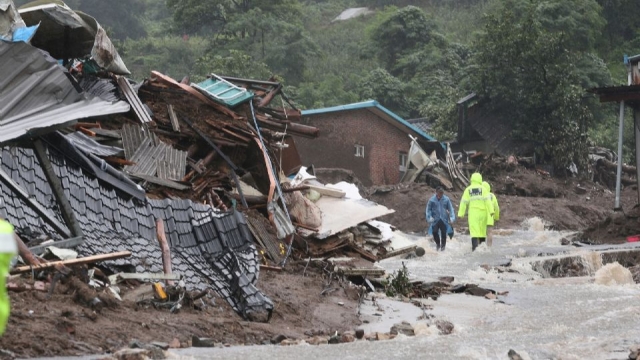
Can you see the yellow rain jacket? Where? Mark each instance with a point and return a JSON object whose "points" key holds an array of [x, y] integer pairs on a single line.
{"points": [[476, 197], [8, 250], [496, 208]]}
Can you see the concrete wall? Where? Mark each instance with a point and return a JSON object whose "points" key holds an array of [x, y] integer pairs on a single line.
{"points": [[341, 131]]}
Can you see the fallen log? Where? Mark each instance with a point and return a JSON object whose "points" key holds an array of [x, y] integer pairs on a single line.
{"points": [[614, 166], [79, 261]]}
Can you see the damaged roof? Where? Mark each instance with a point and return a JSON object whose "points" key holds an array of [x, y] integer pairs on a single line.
{"points": [[36, 93], [378, 110], [209, 248]]}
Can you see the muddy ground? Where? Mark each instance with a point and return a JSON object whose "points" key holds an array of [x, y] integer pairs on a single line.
{"points": [[60, 326]]}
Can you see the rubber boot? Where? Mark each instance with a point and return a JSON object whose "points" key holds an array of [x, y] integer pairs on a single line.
{"points": [[474, 244]]}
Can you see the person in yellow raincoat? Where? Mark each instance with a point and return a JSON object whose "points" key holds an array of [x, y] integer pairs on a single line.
{"points": [[476, 198], [8, 249], [496, 213]]}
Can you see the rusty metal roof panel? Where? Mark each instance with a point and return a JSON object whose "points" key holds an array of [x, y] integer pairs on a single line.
{"points": [[37, 93], [133, 99]]}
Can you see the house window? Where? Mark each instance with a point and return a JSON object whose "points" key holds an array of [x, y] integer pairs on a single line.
{"points": [[403, 161], [359, 151]]}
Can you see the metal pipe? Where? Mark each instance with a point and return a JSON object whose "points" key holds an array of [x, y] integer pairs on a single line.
{"points": [[619, 170]]}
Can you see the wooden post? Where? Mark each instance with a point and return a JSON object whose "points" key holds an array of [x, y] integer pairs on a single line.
{"points": [[25, 253], [164, 246], [57, 189]]}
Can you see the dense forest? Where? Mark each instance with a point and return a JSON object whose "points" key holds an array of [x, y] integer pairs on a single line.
{"points": [[529, 60]]}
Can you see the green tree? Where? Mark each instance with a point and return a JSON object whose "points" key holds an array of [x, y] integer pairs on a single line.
{"points": [[526, 70]]}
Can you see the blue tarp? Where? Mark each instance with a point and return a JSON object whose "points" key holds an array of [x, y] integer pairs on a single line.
{"points": [[25, 33]]}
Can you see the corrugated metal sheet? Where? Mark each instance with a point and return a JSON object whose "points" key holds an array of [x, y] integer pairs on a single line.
{"points": [[132, 137], [88, 145], [174, 164], [105, 89], [134, 100], [146, 158], [36, 93]]}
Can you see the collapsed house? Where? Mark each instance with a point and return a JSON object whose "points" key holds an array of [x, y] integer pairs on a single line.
{"points": [[101, 164]]}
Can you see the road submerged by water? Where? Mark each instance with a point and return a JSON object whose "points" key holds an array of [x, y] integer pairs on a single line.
{"points": [[540, 317]]}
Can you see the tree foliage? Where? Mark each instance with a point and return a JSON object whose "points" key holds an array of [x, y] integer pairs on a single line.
{"points": [[526, 70]]}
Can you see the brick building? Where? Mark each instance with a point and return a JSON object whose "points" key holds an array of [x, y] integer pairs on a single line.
{"points": [[364, 137]]}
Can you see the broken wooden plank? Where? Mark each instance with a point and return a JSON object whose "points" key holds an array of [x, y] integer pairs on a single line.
{"points": [[270, 268], [360, 271], [175, 125], [364, 253], [402, 251], [164, 247], [79, 261], [116, 278], [323, 190]]}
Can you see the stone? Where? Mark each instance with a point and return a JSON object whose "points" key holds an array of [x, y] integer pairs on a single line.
{"points": [[335, 339], [317, 340], [290, 342], [445, 327], [513, 355], [446, 279], [202, 342], [278, 339], [420, 251], [359, 334], [160, 345], [503, 293], [132, 354], [580, 190], [347, 338], [382, 336], [174, 344], [490, 296], [403, 328]]}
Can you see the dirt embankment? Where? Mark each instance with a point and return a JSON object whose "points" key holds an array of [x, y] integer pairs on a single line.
{"points": [[61, 327], [565, 204]]}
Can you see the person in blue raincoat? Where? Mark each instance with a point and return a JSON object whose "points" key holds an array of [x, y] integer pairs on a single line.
{"points": [[440, 214]]}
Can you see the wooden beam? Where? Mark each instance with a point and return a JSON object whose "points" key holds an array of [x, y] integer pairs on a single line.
{"points": [[56, 187], [164, 247], [79, 261], [174, 119]]}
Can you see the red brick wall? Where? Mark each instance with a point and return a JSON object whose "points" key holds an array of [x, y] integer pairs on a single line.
{"points": [[341, 131]]}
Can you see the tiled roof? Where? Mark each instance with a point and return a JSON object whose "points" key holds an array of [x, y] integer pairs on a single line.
{"points": [[209, 249]]}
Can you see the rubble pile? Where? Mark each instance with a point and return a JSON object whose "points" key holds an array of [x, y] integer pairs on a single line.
{"points": [[167, 189]]}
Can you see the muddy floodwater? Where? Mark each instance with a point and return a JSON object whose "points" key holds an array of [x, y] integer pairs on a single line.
{"points": [[594, 315]]}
